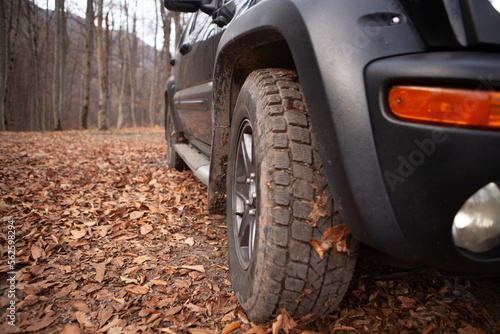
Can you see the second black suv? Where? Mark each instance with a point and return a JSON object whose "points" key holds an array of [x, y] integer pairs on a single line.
{"points": [[323, 127]]}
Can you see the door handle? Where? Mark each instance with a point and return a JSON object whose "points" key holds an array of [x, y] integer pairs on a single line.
{"points": [[185, 48]]}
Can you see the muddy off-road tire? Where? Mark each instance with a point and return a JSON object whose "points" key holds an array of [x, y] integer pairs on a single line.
{"points": [[173, 159], [275, 178]]}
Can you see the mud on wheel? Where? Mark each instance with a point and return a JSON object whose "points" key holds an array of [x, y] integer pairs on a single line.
{"points": [[275, 179]]}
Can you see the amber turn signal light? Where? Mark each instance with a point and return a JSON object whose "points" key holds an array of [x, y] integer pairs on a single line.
{"points": [[463, 107]]}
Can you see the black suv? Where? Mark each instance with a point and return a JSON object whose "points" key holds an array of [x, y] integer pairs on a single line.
{"points": [[326, 127]]}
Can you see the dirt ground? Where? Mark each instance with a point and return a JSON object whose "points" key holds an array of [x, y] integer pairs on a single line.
{"points": [[99, 236]]}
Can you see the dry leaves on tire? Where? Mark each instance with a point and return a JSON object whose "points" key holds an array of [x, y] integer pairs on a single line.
{"points": [[334, 236]]}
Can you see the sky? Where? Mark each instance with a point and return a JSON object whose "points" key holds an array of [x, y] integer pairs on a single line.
{"points": [[145, 10]]}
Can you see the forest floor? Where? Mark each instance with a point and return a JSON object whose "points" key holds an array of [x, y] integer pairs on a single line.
{"points": [[109, 240]]}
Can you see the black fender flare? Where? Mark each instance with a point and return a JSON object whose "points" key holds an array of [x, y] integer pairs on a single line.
{"points": [[169, 102], [331, 43]]}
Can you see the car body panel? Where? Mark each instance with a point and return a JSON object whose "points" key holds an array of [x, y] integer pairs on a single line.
{"points": [[333, 84]]}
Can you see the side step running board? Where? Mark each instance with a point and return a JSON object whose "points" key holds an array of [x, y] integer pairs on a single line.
{"points": [[197, 161]]}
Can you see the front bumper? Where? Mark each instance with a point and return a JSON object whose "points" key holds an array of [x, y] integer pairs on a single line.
{"points": [[431, 170]]}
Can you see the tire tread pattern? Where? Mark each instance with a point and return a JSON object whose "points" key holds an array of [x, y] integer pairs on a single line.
{"points": [[301, 281]]}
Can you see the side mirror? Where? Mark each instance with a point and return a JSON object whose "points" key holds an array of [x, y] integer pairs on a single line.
{"points": [[224, 14], [190, 6], [187, 6]]}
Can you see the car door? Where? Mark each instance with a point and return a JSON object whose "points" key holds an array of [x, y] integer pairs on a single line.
{"points": [[193, 73], [193, 69]]}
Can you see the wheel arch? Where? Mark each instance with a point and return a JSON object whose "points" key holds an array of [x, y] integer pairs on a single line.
{"points": [[264, 47], [170, 105]]}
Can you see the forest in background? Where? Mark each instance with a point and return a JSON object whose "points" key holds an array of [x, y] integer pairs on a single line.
{"points": [[61, 71]]}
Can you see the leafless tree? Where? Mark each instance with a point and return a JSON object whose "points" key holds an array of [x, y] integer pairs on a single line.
{"points": [[132, 51], [89, 29], [154, 83], [10, 23], [3, 62], [58, 90], [101, 112]]}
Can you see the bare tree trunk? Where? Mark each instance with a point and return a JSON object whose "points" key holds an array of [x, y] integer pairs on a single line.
{"points": [[121, 118], [3, 62], [153, 81], [45, 114], [107, 58], [123, 62], [9, 54], [62, 68], [58, 85], [35, 115], [101, 112], [132, 68], [89, 28]]}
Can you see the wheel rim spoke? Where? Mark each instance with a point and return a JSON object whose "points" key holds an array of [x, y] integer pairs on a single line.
{"points": [[245, 199]]}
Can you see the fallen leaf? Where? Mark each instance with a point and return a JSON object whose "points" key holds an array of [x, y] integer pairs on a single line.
{"points": [[104, 314], [80, 306], [141, 259], [200, 331], [277, 324], [199, 268], [332, 236], [471, 330], [115, 330], [100, 271], [343, 328], [260, 329], [392, 288], [284, 322], [103, 230], [116, 322], [136, 289], [173, 310], [146, 228], [317, 212], [189, 241], [129, 280], [136, 215], [318, 247], [71, 329], [64, 291], [83, 319], [231, 327], [158, 282], [196, 308], [429, 328], [41, 324], [37, 252], [407, 302], [78, 234], [335, 234]]}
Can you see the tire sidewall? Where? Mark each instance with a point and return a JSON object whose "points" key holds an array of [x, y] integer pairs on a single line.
{"points": [[170, 141], [173, 159]]}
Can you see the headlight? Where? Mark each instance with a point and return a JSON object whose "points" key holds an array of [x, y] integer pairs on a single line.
{"points": [[496, 4], [476, 226]]}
